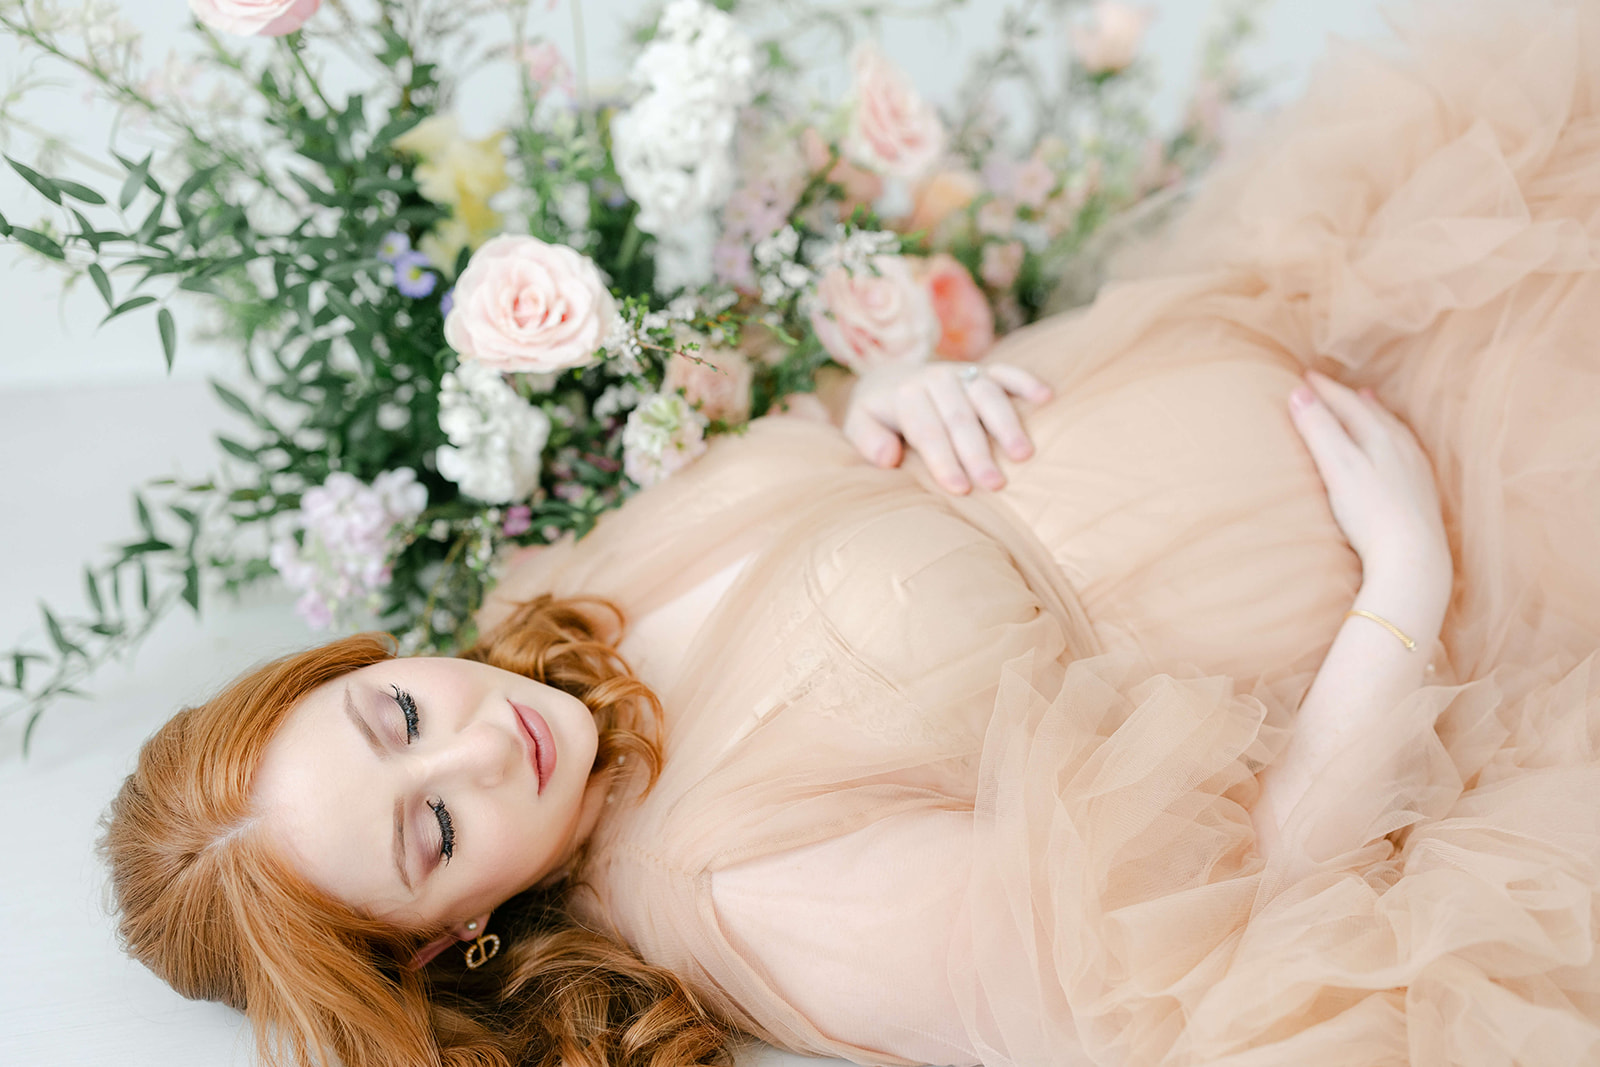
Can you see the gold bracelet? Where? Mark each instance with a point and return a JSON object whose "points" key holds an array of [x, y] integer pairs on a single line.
{"points": [[1411, 646]]}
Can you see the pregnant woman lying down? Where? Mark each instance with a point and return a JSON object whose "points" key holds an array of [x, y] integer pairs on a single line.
{"points": [[1208, 678]]}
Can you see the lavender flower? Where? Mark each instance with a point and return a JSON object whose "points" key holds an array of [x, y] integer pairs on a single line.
{"points": [[350, 536], [412, 276], [394, 245]]}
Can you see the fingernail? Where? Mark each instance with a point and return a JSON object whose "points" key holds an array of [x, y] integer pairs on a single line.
{"points": [[993, 481], [1301, 397]]}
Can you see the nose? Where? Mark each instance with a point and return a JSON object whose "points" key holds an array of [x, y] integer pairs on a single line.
{"points": [[482, 754]]}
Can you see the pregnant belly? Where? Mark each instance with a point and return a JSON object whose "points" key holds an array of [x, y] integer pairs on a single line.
{"points": [[1180, 502]]}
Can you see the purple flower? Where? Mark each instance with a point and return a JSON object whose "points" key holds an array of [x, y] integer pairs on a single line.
{"points": [[518, 521], [447, 301], [412, 276], [394, 245]]}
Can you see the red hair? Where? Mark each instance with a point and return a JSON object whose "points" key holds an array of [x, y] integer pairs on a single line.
{"points": [[208, 906]]}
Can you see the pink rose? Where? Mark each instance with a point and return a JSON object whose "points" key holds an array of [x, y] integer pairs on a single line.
{"points": [[966, 324], [892, 129], [1111, 42], [861, 187], [873, 317], [941, 196], [523, 305], [254, 18], [718, 387]]}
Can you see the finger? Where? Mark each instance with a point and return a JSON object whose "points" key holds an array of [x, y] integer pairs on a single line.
{"points": [[880, 445], [1330, 445], [1019, 382], [999, 416], [967, 432], [1360, 421], [925, 430]]}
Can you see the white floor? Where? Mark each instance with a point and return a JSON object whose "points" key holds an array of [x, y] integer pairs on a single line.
{"points": [[84, 416]]}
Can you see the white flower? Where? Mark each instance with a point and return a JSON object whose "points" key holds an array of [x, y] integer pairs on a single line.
{"points": [[672, 147], [350, 535], [664, 434], [495, 436]]}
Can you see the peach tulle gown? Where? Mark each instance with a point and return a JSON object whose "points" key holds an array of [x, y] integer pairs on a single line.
{"points": [[956, 780]]}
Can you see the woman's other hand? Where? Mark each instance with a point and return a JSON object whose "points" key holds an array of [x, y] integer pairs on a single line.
{"points": [[1380, 483], [948, 412]]}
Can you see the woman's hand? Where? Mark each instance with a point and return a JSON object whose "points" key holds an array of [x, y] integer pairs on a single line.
{"points": [[1380, 483], [947, 412]]}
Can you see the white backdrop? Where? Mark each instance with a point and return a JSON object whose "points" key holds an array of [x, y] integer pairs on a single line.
{"points": [[86, 414]]}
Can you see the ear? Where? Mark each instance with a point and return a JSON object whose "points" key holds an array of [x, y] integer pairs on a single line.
{"points": [[460, 934], [427, 952]]}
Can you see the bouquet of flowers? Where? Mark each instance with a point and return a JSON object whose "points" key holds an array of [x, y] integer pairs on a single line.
{"points": [[455, 345]]}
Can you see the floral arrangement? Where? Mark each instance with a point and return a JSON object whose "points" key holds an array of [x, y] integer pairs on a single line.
{"points": [[454, 345]]}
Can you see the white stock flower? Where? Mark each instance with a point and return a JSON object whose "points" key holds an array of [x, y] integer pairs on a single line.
{"points": [[673, 145], [663, 435], [495, 436]]}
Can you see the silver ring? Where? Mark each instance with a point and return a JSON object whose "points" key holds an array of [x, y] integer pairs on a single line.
{"points": [[969, 374]]}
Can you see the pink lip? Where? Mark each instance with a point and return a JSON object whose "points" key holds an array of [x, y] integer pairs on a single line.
{"points": [[541, 743]]}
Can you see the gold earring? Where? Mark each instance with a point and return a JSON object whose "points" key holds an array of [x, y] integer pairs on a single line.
{"points": [[482, 951]]}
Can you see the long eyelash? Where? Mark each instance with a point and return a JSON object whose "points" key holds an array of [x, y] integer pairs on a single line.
{"points": [[408, 708], [447, 830]]}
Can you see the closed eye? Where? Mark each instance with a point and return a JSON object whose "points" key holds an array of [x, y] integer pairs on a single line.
{"points": [[408, 708], [447, 830]]}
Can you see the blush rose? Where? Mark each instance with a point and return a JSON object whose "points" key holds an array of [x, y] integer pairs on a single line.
{"points": [[254, 18], [715, 381], [892, 129], [527, 306], [870, 318], [966, 323]]}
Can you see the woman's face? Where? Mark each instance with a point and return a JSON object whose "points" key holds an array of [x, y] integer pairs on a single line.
{"points": [[411, 789]]}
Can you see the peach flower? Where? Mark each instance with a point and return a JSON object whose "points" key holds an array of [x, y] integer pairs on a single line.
{"points": [[892, 129], [941, 196], [861, 187], [1111, 42], [715, 381], [1033, 183], [254, 18], [874, 317], [523, 305], [966, 324]]}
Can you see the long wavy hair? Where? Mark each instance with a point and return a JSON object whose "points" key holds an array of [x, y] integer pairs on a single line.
{"points": [[211, 908]]}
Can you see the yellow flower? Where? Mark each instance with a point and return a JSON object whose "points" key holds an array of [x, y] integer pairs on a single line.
{"points": [[461, 174]]}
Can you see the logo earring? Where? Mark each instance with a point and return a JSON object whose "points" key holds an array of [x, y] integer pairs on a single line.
{"points": [[481, 951]]}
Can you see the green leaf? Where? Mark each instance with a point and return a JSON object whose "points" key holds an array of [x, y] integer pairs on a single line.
{"points": [[186, 515], [191, 587], [233, 400], [137, 173], [142, 513], [236, 450], [151, 226], [58, 636], [128, 305], [144, 586], [140, 548], [92, 587], [169, 336], [79, 192], [5, 227], [39, 242], [365, 187], [102, 283], [193, 183], [317, 194], [49, 187]]}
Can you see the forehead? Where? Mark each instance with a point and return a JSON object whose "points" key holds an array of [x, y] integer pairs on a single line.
{"points": [[323, 797]]}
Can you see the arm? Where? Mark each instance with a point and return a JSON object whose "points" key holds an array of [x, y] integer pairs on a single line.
{"points": [[1383, 495]]}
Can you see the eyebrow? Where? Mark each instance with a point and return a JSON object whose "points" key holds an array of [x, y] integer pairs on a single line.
{"points": [[399, 804]]}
